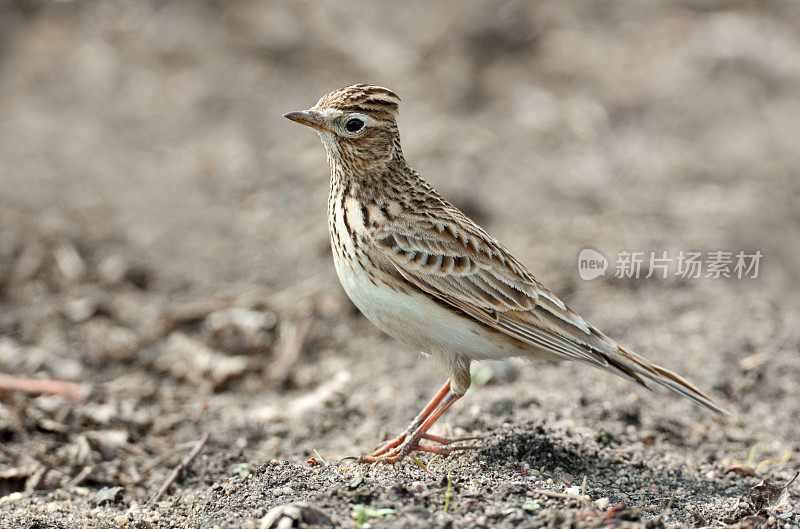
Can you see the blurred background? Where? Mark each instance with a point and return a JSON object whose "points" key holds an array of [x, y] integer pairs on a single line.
{"points": [[163, 231]]}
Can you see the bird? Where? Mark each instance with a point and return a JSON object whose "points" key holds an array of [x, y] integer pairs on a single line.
{"points": [[424, 273]]}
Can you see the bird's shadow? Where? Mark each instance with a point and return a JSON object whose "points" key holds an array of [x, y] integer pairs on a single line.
{"points": [[538, 450]]}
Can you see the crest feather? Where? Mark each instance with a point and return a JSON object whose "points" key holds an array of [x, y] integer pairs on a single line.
{"points": [[361, 98]]}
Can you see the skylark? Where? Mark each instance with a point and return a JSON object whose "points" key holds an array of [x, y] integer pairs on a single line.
{"points": [[424, 273]]}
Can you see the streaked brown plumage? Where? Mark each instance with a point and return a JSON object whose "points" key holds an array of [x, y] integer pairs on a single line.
{"points": [[426, 274]]}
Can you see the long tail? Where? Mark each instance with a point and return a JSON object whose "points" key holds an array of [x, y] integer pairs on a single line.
{"points": [[636, 366]]}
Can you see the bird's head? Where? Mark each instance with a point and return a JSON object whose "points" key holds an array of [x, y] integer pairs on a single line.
{"points": [[357, 124]]}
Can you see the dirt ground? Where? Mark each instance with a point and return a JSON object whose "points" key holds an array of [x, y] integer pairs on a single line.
{"points": [[164, 262]]}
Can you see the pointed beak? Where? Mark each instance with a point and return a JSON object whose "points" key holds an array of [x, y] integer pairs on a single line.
{"points": [[309, 118]]}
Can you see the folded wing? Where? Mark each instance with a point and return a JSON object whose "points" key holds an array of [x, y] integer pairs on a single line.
{"points": [[458, 263]]}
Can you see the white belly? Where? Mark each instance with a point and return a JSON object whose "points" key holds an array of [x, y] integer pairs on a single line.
{"points": [[418, 321], [414, 319]]}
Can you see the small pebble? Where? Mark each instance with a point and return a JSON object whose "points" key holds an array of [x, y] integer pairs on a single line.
{"points": [[107, 495]]}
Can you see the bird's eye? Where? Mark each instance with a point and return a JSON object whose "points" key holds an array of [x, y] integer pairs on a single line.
{"points": [[354, 125]]}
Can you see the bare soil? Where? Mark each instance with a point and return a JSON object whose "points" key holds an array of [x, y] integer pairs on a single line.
{"points": [[165, 271]]}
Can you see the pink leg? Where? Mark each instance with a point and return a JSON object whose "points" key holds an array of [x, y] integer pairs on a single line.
{"points": [[421, 416], [411, 439]]}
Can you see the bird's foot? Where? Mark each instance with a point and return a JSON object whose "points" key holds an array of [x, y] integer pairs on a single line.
{"points": [[394, 443], [398, 448]]}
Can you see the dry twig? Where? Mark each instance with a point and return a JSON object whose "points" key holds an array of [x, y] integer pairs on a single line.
{"points": [[166, 455], [178, 469], [190, 312], [293, 337], [42, 386], [8, 453], [562, 495], [35, 478], [78, 479]]}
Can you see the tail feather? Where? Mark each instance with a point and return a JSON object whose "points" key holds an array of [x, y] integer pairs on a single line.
{"points": [[670, 380]]}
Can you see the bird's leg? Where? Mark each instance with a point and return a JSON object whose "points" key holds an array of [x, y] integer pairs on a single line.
{"points": [[421, 416], [411, 440]]}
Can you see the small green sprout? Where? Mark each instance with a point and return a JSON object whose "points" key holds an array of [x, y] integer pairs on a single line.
{"points": [[751, 457], [364, 513], [243, 470], [14, 496], [531, 505], [751, 468], [447, 493]]}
